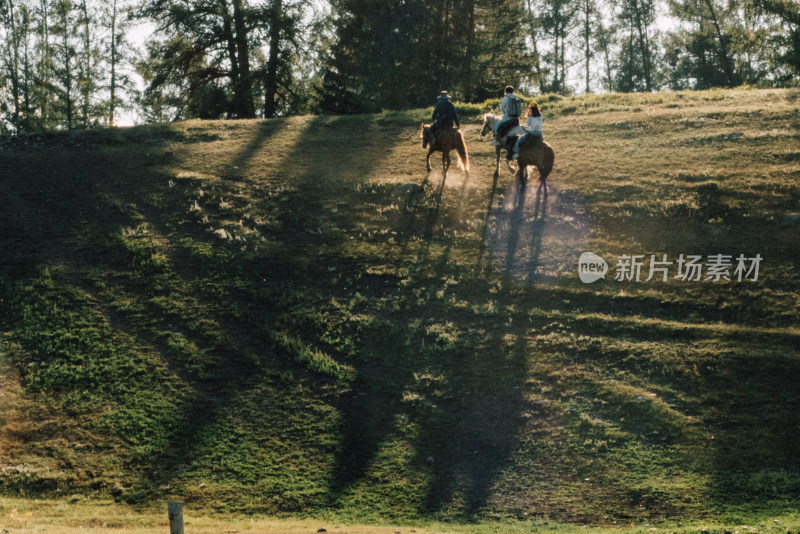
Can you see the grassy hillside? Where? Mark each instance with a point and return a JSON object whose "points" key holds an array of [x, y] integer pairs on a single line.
{"points": [[245, 316]]}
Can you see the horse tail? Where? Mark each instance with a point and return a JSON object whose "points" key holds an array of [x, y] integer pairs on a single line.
{"points": [[461, 148], [547, 165]]}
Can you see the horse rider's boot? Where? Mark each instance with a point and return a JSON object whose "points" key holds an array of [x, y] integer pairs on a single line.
{"points": [[495, 141]]}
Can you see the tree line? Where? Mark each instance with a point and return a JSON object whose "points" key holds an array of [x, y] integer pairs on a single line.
{"points": [[70, 64]]}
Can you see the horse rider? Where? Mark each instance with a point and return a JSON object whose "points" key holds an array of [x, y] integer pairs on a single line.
{"points": [[511, 108], [533, 127], [444, 115]]}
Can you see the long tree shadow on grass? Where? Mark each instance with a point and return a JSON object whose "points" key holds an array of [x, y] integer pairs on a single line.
{"points": [[428, 366], [299, 277], [462, 390], [83, 209], [82, 203], [312, 225], [532, 237]]}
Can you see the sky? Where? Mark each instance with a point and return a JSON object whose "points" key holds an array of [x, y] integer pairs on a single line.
{"points": [[138, 36]]}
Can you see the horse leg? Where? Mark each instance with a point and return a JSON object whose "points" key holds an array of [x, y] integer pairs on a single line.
{"points": [[543, 183], [510, 155], [522, 174], [497, 164], [428, 159], [545, 166]]}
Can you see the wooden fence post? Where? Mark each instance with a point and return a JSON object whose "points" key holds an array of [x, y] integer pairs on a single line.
{"points": [[175, 510]]}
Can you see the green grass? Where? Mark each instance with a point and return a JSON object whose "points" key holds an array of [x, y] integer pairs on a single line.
{"points": [[244, 316]]}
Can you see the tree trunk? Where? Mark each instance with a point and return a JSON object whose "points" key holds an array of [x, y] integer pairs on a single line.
{"points": [[88, 76], [245, 86], [587, 34], [644, 49], [67, 65], [27, 76], [271, 78], [14, 65], [44, 67], [113, 64], [230, 42], [470, 91], [723, 46]]}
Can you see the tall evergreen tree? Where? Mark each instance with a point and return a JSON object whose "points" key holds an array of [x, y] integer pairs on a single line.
{"points": [[89, 64], [11, 64], [120, 58], [637, 63], [203, 44], [400, 54], [558, 22], [589, 26], [65, 72], [606, 39], [45, 65], [283, 26], [787, 38], [703, 55], [535, 33]]}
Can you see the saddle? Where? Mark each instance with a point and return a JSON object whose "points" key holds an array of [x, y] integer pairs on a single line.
{"points": [[506, 127]]}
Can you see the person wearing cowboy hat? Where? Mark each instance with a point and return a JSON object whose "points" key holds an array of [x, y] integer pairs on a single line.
{"points": [[444, 115]]}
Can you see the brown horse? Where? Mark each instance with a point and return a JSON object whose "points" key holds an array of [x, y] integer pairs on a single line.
{"points": [[446, 140], [534, 150]]}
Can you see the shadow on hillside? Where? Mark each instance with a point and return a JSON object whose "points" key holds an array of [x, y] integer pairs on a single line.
{"points": [[456, 396], [453, 395], [441, 384], [316, 180], [532, 234]]}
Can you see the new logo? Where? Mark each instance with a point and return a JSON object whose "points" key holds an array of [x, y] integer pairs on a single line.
{"points": [[591, 267]]}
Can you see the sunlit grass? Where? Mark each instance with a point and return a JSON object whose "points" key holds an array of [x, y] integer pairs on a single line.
{"points": [[77, 514]]}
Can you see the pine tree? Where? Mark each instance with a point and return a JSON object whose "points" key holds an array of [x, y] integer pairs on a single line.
{"points": [[10, 57], [558, 22], [786, 38], [288, 53], [703, 56], [401, 54], [606, 38], [637, 63], [117, 88], [588, 15], [202, 44], [65, 65]]}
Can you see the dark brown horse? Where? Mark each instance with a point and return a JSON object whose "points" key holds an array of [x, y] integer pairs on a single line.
{"points": [[447, 139], [534, 150]]}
